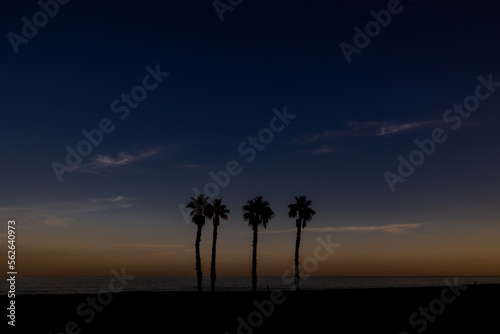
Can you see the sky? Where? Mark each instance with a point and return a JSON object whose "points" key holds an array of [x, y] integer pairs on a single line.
{"points": [[116, 113]]}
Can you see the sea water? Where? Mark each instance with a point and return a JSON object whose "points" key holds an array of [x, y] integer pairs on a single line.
{"points": [[90, 285]]}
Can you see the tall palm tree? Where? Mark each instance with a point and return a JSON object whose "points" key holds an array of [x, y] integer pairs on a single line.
{"points": [[219, 210], [256, 212], [200, 209], [301, 210]]}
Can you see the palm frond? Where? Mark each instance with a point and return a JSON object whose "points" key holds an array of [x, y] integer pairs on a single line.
{"points": [[302, 210]]}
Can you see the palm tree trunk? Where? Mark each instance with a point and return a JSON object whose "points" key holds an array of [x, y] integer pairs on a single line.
{"points": [[212, 266], [254, 259], [199, 274], [297, 246]]}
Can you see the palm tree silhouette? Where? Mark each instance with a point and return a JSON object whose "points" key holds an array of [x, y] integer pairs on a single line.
{"points": [[219, 210], [302, 210], [200, 208], [256, 212]]}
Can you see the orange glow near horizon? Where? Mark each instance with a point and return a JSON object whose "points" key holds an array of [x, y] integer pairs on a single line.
{"points": [[359, 254]]}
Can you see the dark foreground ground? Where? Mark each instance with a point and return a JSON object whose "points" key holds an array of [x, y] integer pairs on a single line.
{"points": [[475, 310]]}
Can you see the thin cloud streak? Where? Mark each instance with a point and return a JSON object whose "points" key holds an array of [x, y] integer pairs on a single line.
{"points": [[56, 221], [390, 228], [392, 128], [363, 129], [61, 213], [101, 161], [324, 149], [148, 245], [188, 165], [119, 201]]}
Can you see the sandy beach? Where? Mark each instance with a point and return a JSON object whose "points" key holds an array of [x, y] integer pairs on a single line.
{"points": [[473, 309]]}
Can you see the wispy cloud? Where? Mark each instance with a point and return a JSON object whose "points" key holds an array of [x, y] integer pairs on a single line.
{"points": [[69, 207], [390, 228], [311, 138], [56, 221], [364, 129], [101, 161], [188, 165], [118, 201], [392, 128], [62, 213], [324, 149], [149, 245]]}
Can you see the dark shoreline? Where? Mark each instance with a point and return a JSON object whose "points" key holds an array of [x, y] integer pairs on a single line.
{"points": [[379, 310]]}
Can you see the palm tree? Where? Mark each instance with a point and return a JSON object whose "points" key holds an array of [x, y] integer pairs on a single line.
{"points": [[302, 210], [256, 212], [200, 208], [219, 210]]}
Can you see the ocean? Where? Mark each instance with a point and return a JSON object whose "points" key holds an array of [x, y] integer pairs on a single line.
{"points": [[91, 285]]}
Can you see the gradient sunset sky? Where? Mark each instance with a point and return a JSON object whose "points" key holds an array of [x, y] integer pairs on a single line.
{"points": [[120, 206]]}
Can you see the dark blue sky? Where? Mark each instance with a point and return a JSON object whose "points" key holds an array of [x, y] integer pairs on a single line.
{"points": [[353, 120]]}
